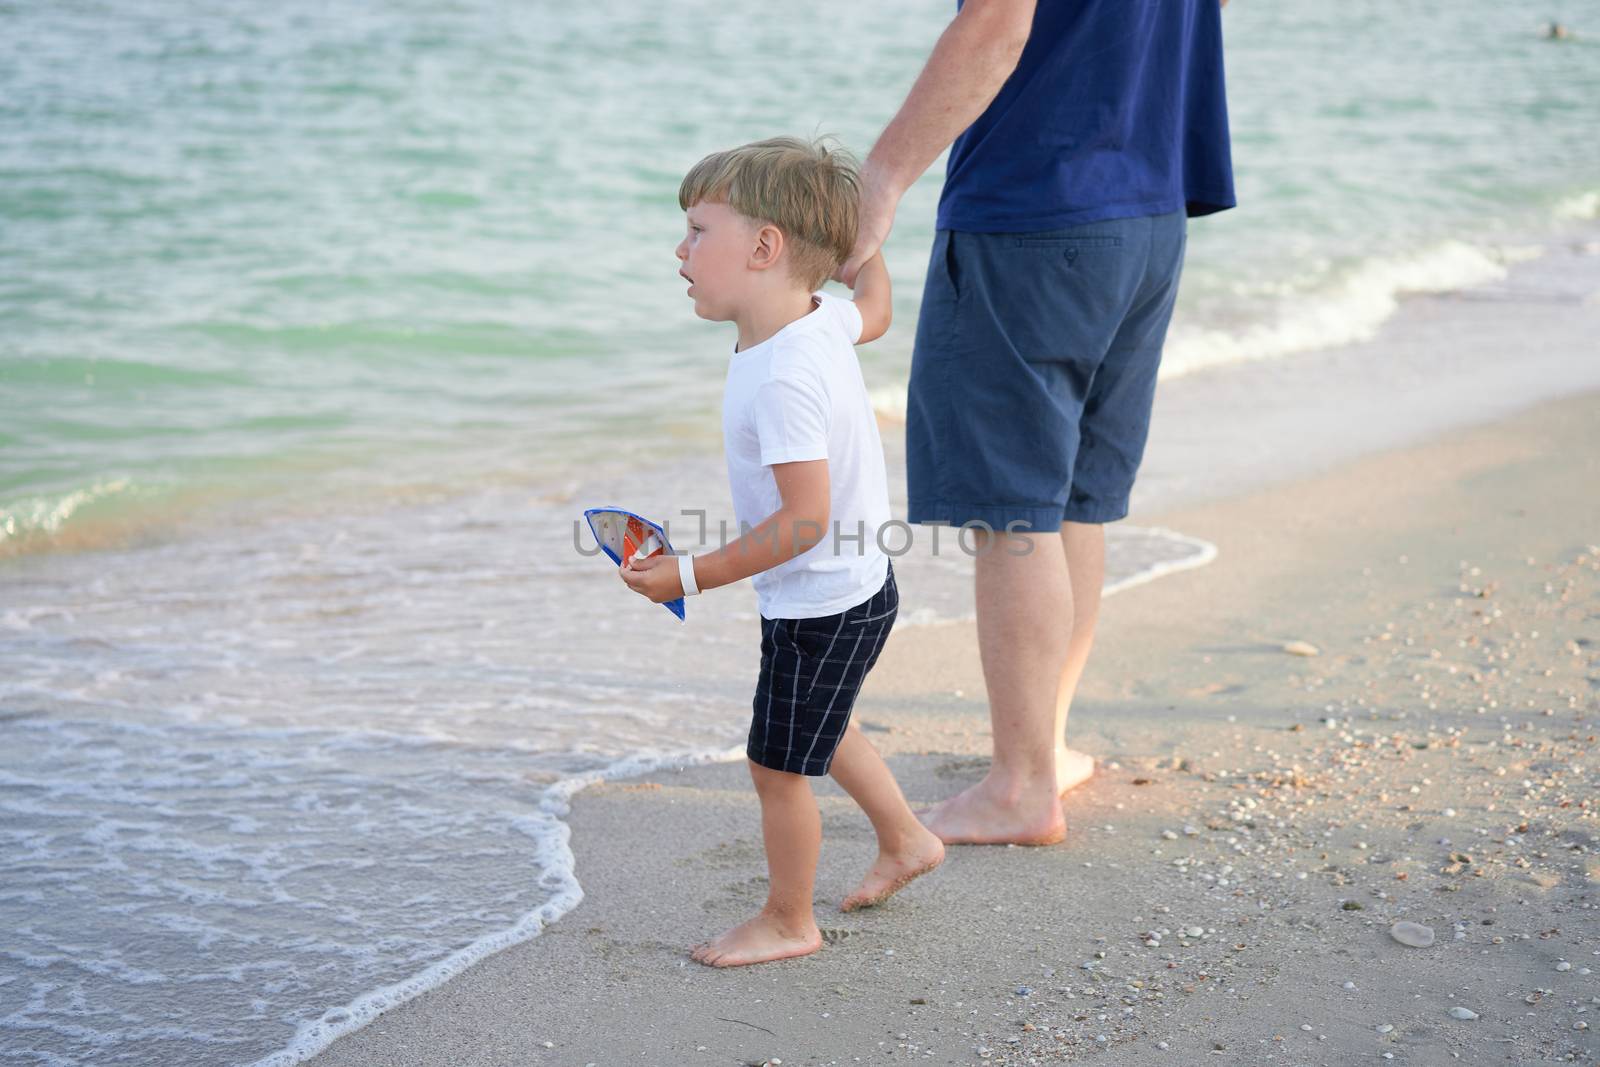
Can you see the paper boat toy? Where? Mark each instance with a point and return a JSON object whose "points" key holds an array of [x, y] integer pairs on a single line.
{"points": [[622, 535]]}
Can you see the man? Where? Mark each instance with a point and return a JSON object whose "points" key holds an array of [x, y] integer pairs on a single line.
{"points": [[1089, 130]]}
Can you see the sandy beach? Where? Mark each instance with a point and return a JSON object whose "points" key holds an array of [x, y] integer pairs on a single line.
{"points": [[1378, 705]]}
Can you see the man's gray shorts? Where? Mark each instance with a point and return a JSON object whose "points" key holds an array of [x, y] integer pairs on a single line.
{"points": [[1035, 369]]}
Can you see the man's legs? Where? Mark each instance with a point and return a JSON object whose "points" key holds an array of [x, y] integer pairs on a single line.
{"points": [[1024, 601], [1085, 546], [1034, 372]]}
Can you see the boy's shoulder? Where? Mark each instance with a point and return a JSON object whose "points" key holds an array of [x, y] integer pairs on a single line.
{"points": [[839, 316], [829, 331]]}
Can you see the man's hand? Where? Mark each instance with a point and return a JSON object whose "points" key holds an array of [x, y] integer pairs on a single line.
{"points": [[655, 579], [876, 219], [970, 62]]}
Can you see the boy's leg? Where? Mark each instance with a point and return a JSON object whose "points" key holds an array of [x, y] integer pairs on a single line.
{"points": [[906, 848], [1085, 545], [792, 831]]}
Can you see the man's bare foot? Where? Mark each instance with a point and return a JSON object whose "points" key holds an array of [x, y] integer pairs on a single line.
{"points": [[892, 872], [1073, 768], [759, 940], [982, 816]]}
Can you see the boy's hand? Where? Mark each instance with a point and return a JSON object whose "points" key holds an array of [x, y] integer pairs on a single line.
{"points": [[655, 578], [872, 299]]}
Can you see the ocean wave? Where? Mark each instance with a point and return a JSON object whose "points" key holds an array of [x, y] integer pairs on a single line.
{"points": [[195, 879], [1581, 206], [553, 855], [1349, 308], [27, 522]]}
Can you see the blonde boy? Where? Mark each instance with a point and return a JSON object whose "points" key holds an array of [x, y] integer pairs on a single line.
{"points": [[768, 224]]}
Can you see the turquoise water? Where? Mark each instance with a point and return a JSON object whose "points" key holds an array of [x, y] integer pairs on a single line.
{"points": [[259, 257]]}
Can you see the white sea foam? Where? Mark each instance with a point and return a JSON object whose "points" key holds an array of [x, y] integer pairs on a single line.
{"points": [[553, 855], [1579, 206], [45, 515], [1348, 307], [1134, 555], [889, 401], [1199, 554]]}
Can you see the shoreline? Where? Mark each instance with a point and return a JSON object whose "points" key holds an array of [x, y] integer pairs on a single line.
{"points": [[1452, 337], [1230, 741]]}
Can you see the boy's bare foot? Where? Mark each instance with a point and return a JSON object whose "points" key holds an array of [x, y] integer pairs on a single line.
{"points": [[981, 815], [892, 872], [1073, 768], [759, 940]]}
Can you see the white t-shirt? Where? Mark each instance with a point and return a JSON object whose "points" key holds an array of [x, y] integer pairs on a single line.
{"points": [[799, 395]]}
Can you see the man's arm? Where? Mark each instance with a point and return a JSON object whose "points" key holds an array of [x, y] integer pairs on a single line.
{"points": [[971, 61], [873, 299], [799, 523]]}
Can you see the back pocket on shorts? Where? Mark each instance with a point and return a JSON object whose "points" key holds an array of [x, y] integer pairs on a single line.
{"points": [[1065, 297]]}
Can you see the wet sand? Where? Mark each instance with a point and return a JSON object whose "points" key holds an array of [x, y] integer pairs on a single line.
{"points": [[1230, 877]]}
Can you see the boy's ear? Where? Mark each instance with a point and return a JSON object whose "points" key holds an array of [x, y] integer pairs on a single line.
{"points": [[769, 246]]}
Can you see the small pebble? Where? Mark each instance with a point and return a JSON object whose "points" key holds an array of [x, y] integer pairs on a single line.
{"points": [[1349, 985], [1385, 1028], [1563, 966], [1305, 1026], [1463, 1013], [1193, 931], [1413, 934]]}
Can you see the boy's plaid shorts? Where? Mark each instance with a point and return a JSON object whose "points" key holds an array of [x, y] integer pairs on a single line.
{"points": [[811, 671]]}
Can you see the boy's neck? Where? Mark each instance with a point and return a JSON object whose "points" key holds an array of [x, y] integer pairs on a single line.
{"points": [[764, 318]]}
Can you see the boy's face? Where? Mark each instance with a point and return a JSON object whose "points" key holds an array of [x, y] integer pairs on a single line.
{"points": [[716, 255]]}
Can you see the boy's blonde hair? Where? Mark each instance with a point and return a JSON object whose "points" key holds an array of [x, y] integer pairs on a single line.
{"points": [[808, 189]]}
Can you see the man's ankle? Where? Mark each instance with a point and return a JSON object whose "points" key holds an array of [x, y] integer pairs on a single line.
{"points": [[1022, 789]]}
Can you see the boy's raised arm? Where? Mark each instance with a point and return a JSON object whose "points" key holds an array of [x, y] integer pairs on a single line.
{"points": [[872, 299]]}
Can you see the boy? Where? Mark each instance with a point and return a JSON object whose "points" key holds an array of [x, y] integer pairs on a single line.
{"points": [[768, 224]]}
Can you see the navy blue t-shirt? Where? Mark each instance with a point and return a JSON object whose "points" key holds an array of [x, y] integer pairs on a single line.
{"points": [[1116, 110]]}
